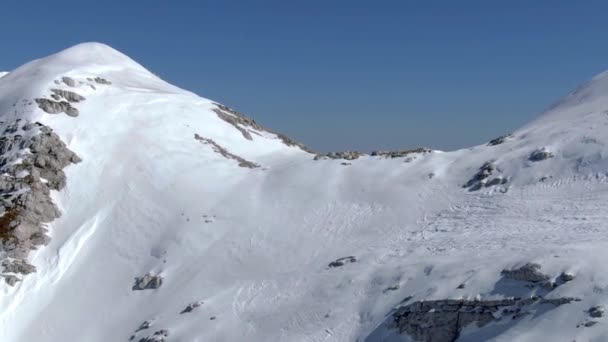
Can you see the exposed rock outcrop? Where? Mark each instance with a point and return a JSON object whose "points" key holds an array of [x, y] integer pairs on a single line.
{"points": [[148, 282], [191, 307], [482, 177], [540, 154], [443, 320], [70, 82], [597, 311], [224, 152], [244, 123], [100, 80], [158, 336], [500, 140], [144, 325], [529, 272], [10, 279], [32, 159], [70, 96], [401, 153], [342, 261], [56, 107], [61, 100], [346, 155], [566, 276]]}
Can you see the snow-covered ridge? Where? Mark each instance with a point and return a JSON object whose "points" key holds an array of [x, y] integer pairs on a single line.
{"points": [[188, 221]]}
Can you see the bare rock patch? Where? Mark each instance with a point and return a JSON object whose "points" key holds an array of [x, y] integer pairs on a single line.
{"points": [[147, 282]]}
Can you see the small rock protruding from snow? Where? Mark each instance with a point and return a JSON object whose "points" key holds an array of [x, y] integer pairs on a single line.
{"points": [[191, 307], [540, 154], [342, 261], [148, 282]]}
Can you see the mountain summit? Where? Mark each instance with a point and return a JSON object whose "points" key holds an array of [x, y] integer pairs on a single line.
{"points": [[133, 210]]}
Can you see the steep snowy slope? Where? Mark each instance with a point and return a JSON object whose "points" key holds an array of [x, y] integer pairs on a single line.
{"points": [[244, 237]]}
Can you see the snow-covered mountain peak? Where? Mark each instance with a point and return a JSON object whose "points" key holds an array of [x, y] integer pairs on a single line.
{"points": [[90, 54], [133, 210]]}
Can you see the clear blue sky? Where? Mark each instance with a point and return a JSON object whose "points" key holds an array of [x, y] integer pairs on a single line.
{"points": [[342, 74]]}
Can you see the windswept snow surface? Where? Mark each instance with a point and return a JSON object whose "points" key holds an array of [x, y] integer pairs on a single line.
{"points": [[254, 244]]}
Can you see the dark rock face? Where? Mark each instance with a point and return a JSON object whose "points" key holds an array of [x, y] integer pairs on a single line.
{"points": [[342, 261], [443, 320], [540, 154], [147, 282], [242, 123], [400, 153], [25, 189], [482, 177], [346, 155], [500, 140], [221, 150]]}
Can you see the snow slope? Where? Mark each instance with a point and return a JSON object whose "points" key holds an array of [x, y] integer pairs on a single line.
{"points": [[254, 244]]}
